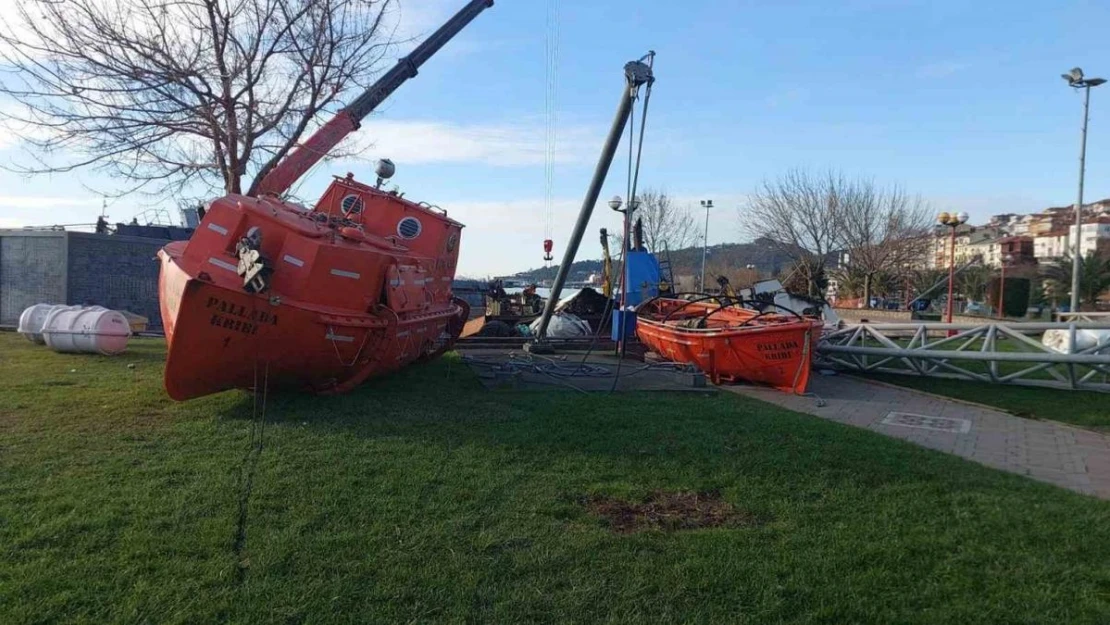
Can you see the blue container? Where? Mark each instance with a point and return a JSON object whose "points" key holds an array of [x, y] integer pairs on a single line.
{"points": [[627, 318], [643, 277]]}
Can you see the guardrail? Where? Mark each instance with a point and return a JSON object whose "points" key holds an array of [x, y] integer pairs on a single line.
{"points": [[958, 350]]}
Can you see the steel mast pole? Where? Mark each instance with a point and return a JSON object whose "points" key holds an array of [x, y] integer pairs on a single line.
{"points": [[636, 73], [1077, 257]]}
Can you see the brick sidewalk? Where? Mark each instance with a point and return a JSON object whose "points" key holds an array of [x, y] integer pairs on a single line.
{"points": [[1050, 452]]}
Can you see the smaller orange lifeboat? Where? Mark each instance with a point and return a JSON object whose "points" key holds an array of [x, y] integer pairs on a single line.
{"points": [[731, 343]]}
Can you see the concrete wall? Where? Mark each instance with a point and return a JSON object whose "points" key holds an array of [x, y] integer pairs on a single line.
{"points": [[113, 271]]}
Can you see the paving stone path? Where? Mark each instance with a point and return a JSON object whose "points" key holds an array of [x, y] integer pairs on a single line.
{"points": [[1070, 457]]}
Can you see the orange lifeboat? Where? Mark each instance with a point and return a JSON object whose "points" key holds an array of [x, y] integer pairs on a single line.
{"points": [[268, 292], [731, 343], [319, 300]]}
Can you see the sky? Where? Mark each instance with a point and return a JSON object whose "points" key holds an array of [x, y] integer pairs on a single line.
{"points": [[961, 102]]}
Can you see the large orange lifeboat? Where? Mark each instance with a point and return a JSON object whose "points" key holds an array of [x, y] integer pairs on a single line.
{"points": [[730, 342], [357, 287], [269, 292]]}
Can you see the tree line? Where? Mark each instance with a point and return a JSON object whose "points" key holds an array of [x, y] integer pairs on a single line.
{"points": [[876, 233]]}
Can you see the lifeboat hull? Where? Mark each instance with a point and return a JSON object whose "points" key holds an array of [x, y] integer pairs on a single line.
{"points": [[268, 293], [777, 352], [222, 338]]}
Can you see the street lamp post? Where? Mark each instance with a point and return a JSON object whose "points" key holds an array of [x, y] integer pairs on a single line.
{"points": [[1075, 79], [1006, 259], [707, 204], [626, 218], [953, 221]]}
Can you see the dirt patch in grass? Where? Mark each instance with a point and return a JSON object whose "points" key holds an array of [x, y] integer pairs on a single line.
{"points": [[668, 511]]}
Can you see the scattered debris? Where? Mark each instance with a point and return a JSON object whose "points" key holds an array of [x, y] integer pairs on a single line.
{"points": [[668, 511]]}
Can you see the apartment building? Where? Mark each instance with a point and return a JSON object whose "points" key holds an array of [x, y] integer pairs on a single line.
{"points": [[1051, 245], [1014, 250], [1094, 236]]}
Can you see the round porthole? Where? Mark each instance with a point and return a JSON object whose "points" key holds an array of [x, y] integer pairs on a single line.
{"points": [[351, 205], [409, 228], [452, 241]]}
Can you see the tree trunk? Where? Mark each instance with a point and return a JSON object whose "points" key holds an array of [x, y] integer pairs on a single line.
{"points": [[867, 290]]}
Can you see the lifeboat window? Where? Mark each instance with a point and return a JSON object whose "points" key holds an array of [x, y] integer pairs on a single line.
{"points": [[409, 228], [351, 205]]}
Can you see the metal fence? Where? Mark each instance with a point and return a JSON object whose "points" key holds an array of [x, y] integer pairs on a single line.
{"points": [[1083, 316], [995, 352]]}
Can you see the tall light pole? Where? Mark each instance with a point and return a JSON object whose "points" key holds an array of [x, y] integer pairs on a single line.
{"points": [[626, 246], [1075, 79], [953, 221], [707, 204]]}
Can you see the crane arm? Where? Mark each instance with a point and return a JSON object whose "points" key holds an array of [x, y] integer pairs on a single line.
{"points": [[303, 158]]}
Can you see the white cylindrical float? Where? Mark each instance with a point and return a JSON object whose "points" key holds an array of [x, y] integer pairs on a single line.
{"points": [[86, 329], [1060, 340], [32, 320]]}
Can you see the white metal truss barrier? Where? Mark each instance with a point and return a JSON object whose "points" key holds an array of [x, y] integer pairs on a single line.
{"points": [[998, 352]]}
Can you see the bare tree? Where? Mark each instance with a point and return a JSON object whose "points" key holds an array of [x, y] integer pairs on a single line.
{"points": [[170, 94], [811, 216], [666, 225], [798, 213], [882, 230]]}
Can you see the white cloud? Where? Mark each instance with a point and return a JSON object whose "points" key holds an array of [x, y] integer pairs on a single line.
{"points": [[32, 202], [502, 145], [17, 211], [940, 69], [503, 237]]}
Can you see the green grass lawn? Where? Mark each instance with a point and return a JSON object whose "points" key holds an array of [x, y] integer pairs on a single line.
{"points": [[422, 498]]}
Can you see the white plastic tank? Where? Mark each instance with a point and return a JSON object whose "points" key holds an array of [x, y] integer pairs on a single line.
{"points": [[1060, 340], [90, 329], [32, 320]]}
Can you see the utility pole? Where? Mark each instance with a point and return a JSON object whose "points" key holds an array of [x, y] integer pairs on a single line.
{"points": [[953, 221], [1075, 79], [708, 204]]}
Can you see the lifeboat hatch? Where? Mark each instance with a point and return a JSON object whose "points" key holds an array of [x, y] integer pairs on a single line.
{"points": [[406, 288]]}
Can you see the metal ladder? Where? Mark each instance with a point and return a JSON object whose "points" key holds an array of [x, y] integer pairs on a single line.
{"points": [[666, 275]]}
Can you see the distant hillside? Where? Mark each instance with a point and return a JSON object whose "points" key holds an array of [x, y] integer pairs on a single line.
{"points": [[721, 258]]}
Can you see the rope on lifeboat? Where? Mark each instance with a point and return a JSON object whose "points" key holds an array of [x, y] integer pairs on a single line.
{"points": [[365, 338]]}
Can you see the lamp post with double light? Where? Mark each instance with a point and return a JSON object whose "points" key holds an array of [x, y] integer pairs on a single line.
{"points": [[953, 221], [1076, 79], [626, 218]]}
